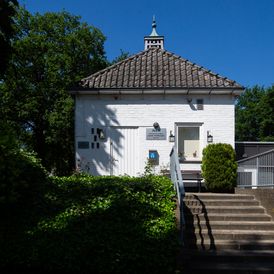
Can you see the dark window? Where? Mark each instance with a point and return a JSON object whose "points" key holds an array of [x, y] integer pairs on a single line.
{"points": [[92, 145], [200, 104], [98, 145], [83, 145], [95, 138], [92, 131]]}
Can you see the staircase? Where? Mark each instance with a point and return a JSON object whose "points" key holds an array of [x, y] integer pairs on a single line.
{"points": [[226, 233]]}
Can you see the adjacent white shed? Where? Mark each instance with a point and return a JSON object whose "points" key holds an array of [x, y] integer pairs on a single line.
{"points": [[257, 171]]}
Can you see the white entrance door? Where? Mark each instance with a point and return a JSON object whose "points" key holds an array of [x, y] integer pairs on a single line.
{"points": [[124, 150]]}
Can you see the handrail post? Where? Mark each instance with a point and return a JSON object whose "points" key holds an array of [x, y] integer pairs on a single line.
{"points": [[176, 177]]}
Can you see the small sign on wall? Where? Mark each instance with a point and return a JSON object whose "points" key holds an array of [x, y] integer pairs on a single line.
{"points": [[83, 145], [153, 157], [156, 134]]}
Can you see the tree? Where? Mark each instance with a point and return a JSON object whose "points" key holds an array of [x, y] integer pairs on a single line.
{"points": [[51, 52], [249, 114], [7, 11], [123, 55], [255, 115], [267, 106]]}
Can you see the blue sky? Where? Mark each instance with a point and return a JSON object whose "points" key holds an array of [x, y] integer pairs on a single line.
{"points": [[234, 38]]}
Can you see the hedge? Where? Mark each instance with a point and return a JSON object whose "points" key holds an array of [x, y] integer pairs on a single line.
{"points": [[23, 184], [22, 177], [103, 225]]}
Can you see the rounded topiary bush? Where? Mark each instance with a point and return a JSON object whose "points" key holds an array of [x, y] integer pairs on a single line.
{"points": [[219, 167]]}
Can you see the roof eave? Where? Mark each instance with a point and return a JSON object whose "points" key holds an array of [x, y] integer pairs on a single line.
{"points": [[235, 91]]}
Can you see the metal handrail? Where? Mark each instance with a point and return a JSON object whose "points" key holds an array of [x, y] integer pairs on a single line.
{"points": [[176, 178]]}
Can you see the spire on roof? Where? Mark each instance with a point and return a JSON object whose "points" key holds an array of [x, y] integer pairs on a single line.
{"points": [[154, 33], [154, 40]]}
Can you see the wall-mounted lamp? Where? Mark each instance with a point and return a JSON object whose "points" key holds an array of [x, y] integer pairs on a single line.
{"points": [[156, 126], [209, 138], [171, 137], [101, 134]]}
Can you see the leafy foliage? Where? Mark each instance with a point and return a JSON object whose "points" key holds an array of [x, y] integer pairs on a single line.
{"points": [[51, 52], [22, 176], [267, 125], [219, 167], [104, 225], [123, 55], [149, 168], [254, 115], [23, 182], [7, 11]]}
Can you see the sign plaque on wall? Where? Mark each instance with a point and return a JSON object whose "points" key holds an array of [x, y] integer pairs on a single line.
{"points": [[156, 134], [83, 145], [153, 157]]}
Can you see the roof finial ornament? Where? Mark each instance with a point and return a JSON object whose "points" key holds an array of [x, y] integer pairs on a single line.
{"points": [[154, 40], [154, 33]]}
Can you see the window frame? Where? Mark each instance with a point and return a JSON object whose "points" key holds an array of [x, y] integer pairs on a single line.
{"points": [[200, 104], [187, 125]]}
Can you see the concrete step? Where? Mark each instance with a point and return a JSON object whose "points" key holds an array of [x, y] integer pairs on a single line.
{"points": [[228, 234], [236, 261], [228, 217], [230, 267], [230, 245], [190, 188], [226, 209], [218, 196], [233, 225], [239, 256], [224, 202]]}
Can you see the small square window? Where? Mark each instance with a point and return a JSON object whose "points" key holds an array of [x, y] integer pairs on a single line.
{"points": [[200, 104], [83, 145]]}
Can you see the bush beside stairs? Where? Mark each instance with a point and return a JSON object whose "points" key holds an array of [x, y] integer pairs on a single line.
{"points": [[226, 233]]}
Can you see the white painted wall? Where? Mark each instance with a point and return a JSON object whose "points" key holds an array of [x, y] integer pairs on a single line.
{"points": [[141, 111]]}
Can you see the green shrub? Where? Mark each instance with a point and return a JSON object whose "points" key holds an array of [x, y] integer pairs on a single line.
{"points": [[219, 167], [105, 225], [22, 177], [22, 187]]}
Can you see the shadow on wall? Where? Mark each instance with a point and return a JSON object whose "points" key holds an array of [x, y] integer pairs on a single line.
{"points": [[101, 130]]}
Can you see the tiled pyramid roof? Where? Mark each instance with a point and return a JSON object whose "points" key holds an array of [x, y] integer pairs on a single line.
{"points": [[156, 68]]}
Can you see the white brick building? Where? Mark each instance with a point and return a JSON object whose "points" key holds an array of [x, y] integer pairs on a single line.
{"points": [[130, 111]]}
